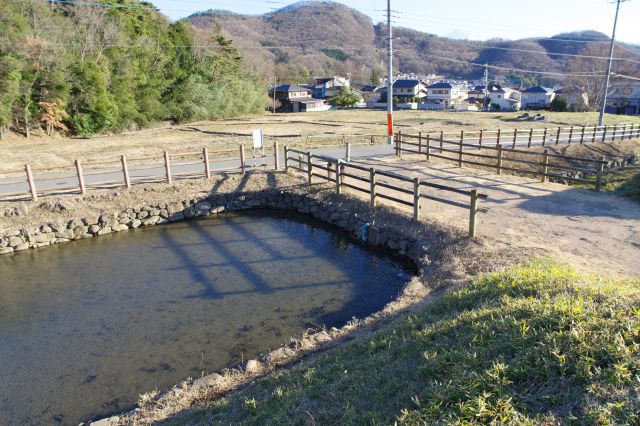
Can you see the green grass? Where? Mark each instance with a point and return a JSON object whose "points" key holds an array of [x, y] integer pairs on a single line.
{"points": [[538, 343], [625, 182]]}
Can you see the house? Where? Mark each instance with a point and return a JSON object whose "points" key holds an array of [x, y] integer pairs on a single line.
{"points": [[624, 98], [296, 99], [501, 98], [444, 96], [408, 94], [537, 97], [328, 87], [577, 98], [405, 90]]}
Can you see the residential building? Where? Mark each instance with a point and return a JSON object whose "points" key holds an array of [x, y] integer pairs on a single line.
{"points": [[296, 99], [624, 98], [537, 97], [405, 89], [501, 98], [577, 98], [444, 96], [328, 87]]}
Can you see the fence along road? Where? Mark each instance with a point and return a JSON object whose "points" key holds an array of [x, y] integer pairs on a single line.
{"points": [[121, 171], [528, 137]]}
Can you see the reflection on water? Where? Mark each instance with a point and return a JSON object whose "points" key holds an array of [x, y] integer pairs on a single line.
{"points": [[87, 326]]}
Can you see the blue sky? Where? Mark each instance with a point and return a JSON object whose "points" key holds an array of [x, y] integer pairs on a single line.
{"points": [[473, 19]]}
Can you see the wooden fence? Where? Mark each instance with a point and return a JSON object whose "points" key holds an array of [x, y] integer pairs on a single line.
{"points": [[545, 136], [121, 171], [540, 164], [378, 184]]}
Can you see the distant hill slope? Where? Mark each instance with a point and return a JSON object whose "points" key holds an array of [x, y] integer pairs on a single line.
{"points": [[324, 37]]}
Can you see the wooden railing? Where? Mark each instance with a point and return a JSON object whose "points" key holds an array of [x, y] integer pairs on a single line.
{"points": [[121, 171], [541, 164], [544, 136], [378, 184]]}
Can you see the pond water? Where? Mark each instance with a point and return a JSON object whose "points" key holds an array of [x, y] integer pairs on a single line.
{"points": [[87, 326]]}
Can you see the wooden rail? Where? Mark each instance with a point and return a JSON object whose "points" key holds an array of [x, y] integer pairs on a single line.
{"points": [[168, 167], [542, 163], [370, 181]]}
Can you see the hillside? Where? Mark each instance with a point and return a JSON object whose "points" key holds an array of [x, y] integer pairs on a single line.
{"points": [[323, 37], [93, 69]]}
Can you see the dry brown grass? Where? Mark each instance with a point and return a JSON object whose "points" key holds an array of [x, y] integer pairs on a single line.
{"points": [[323, 127]]}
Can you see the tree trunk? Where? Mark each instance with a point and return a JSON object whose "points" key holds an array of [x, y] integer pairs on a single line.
{"points": [[2, 130], [26, 122]]}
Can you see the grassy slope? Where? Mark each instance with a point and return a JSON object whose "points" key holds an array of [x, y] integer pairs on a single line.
{"points": [[536, 344], [625, 182]]}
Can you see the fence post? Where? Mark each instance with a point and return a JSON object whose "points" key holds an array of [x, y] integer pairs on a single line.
{"points": [[348, 153], [595, 130], [604, 134], [83, 189], [338, 177], [544, 136], [530, 138], [32, 184], [515, 138], [125, 171], [582, 135], [480, 140], [400, 143], [498, 138], [286, 159], [633, 125], [428, 147], [276, 155], [416, 199], [599, 174], [309, 167], [372, 188], [242, 158], [167, 167], [205, 159], [615, 130], [558, 135], [473, 209], [460, 149], [499, 165], [441, 139], [395, 145], [545, 165], [570, 135], [420, 142]]}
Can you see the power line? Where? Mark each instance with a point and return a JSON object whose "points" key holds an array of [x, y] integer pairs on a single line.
{"points": [[475, 64]]}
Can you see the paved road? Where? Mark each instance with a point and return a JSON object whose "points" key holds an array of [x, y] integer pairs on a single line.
{"points": [[58, 182], [155, 172]]}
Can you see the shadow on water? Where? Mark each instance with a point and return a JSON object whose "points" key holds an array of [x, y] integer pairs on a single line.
{"points": [[97, 322]]}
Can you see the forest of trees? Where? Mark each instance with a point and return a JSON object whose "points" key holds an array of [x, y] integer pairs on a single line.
{"points": [[83, 70]]}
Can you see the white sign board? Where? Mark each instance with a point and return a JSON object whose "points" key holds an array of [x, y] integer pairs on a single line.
{"points": [[257, 138]]}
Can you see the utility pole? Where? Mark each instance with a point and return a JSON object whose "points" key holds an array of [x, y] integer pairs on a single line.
{"points": [[390, 78], [608, 76], [485, 107]]}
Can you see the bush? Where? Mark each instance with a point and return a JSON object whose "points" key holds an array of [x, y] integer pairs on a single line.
{"points": [[559, 104]]}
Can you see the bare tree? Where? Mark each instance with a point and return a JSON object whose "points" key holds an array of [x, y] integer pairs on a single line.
{"points": [[592, 86]]}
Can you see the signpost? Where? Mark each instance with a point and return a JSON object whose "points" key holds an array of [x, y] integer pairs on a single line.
{"points": [[258, 143]]}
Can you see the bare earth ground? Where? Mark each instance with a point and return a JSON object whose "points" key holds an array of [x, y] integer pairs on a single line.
{"points": [[595, 232], [324, 127]]}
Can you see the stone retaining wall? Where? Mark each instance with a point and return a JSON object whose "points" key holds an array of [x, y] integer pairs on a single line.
{"points": [[150, 215]]}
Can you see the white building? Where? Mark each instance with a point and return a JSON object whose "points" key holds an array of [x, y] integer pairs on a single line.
{"points": [[444, 96], [537, 97]]}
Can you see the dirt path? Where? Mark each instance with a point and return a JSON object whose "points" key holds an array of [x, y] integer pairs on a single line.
{"points": [[596, 232]]}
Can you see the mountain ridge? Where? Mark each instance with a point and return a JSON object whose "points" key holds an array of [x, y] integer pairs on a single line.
{"points": [[319, 37]]}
